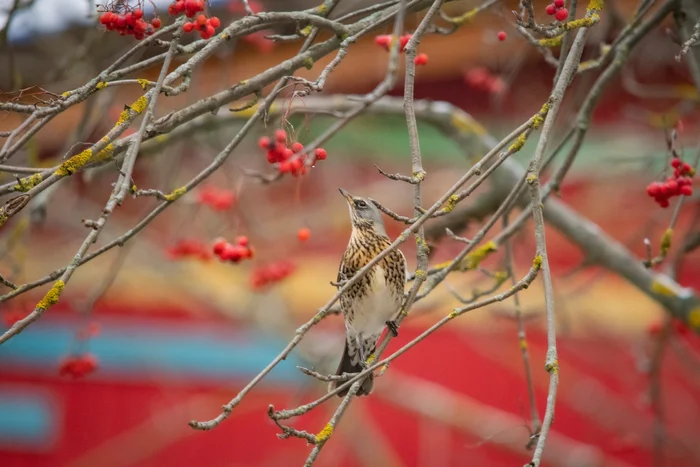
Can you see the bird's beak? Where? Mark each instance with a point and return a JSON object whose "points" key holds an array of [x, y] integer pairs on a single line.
{"points": [[346, 195]]}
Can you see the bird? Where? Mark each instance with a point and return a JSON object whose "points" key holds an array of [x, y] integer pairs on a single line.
{"points": [[375, 300]]}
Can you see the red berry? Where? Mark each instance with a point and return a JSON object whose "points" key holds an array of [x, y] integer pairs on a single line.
{"points": [[140, 27], [672, 187], [280, 136], [242, 240], [233, 253], [403, 40], [551, 9], [287, 154], [303, 234], [264, 142], [561, 14], [559, 3], [271, 157], [421, 59], [383, 41], [188, 27], [663, 202], [687, 169], [215, 22], [654, 189], [207, 32], [201, 20], [676, 162], [105, 18], [285, 167], [321, 154], [297, 164], [138, 13], [156, 23], [686, 190], [219, 246], [297, 147], [502, 36]]}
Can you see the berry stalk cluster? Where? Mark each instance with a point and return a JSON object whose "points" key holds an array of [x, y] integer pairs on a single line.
{"points": [[271, 274], [129, 21], [78, 366], [233, 252], [557, 10], [206, 26], [288, 159], [681, 183], [189, 248], [385, 40]]}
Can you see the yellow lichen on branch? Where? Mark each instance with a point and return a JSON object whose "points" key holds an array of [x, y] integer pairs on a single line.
{"points": [[451, 203], [175, 194], [466, 125], [595, 5], [551, 42], [463, 18], [73, 164], [582, 23], [475, 258], [694, 318], [144, 83], [518, 143], [52, 296], [552, 367], [666, 242], [662, 289], [137, 107], [27, 183], [324, 434]]}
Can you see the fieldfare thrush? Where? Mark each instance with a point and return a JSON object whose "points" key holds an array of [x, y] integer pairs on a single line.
{"points": [[373, 301]]}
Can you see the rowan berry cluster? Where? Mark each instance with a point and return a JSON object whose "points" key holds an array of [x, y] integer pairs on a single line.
{"points": [[483, 80], [271, 274], [233, 252], [557, 10], [385, 40], [78, 366], [189, 248], [206, 26], [216, 199], [128, 21], [288, 159], [681, 183]]}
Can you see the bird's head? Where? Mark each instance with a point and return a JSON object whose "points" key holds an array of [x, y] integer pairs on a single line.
{"points": [[364, 214]]}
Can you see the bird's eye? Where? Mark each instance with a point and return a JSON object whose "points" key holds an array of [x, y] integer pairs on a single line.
{"points": [[361, 204]]}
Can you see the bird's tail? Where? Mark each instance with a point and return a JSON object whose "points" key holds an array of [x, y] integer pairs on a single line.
{"points": [[346, 365]]}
